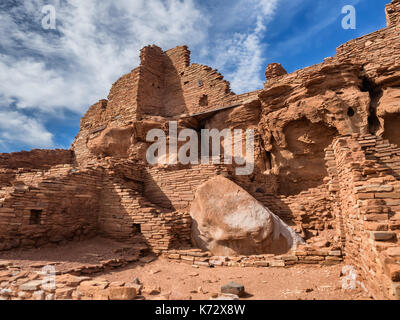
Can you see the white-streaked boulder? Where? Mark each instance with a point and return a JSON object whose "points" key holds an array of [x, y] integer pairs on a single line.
{"points": [[227, 220]]}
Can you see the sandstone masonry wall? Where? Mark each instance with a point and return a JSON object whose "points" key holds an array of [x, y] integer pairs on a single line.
{"points": [[175, 187], [127, 215], [321, 163], [52, 206], [36, 159], [370, 221]]}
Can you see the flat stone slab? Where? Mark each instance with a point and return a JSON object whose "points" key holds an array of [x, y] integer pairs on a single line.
{"points": [[382, 235], [5, 264], [394, 252], [226, 296], [31, 285], [233, 288]]}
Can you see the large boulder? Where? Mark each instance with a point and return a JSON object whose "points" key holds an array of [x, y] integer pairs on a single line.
{"points": [[227, 220]]}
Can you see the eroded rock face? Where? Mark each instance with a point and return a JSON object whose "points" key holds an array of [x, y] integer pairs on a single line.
{"points": [[388, 113], [302, 113], [227, 221], [112, 142]]}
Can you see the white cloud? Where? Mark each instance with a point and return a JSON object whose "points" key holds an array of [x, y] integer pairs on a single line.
{"points": [[97, 41], [244, 50], [16, 128]]}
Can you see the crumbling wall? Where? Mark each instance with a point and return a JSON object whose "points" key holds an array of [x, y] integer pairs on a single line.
{"points": [[302, 162], [393, 13], [165, 85], [174, 187], [36, 159], [369, 203], [316, 167], [50, 206], [128, 215], [151, 85]]}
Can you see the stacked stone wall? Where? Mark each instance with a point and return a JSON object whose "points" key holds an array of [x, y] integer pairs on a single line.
{"points": [[368, 207], [53, 206]]}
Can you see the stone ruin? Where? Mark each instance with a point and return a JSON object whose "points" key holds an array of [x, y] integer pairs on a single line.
{"points": [[325, 187]]}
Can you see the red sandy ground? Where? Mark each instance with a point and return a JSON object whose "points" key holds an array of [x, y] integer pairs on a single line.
{"points": [[183, 281]]}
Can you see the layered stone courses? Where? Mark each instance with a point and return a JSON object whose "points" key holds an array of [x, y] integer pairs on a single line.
{"points": [[327, 161]]}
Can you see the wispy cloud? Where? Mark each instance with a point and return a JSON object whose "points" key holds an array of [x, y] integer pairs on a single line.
{"points": [[17, 128], [240, 56]]}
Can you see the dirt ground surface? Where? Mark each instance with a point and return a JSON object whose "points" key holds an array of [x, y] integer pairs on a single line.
{"points": [[180, 281]]}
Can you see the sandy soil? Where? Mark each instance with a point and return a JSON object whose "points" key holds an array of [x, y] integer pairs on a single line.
{"points": [[73, 254], [183, 281]]}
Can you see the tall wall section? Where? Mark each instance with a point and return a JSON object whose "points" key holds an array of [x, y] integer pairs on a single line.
{"points": [[126, 213], [165, 86], [368, 202]]}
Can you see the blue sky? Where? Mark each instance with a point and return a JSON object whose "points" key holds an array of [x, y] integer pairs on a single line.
{"points": [[49, 78]]}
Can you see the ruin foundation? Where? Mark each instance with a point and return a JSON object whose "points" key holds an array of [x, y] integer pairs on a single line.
{"points": [[327, 161]]}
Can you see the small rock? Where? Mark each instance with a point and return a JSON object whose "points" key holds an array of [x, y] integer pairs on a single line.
{"points": [[71, 281], [153, 291], [117, 284], [31, 285], [100, 283], [138, 287], [155, 271], [38, 295], [233, 288], [38, 265], [64, 293], [5, 292], [122, 293], [201, 290], [226, 296], [50, 296], [5, 264]]}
